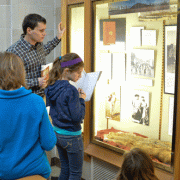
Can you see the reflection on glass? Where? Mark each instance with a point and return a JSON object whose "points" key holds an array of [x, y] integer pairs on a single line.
{"points": [[77, 33], [131, 108]]}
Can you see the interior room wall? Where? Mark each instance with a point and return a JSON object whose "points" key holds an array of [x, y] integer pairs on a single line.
{"points": [[13, 13]]}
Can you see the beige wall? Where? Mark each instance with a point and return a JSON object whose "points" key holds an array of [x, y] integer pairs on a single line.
{"points": [[13, 13]]}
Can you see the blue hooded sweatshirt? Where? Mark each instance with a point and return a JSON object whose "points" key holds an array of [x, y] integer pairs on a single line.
{"points": [[25, 134], [67, 110]]}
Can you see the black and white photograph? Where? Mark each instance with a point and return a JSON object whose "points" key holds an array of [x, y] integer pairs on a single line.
{"points": [[170, 58], [140, 107], [134, 6], [142, 62]]}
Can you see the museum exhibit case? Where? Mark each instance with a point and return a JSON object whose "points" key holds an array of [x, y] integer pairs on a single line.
{"points": [[135, 102], [135, 48]]}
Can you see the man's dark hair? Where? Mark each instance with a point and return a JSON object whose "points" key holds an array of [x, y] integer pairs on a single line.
{"points": [[32, 20]]}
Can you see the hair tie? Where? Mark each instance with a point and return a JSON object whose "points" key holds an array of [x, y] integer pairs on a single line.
{"points": [[60, 57]]}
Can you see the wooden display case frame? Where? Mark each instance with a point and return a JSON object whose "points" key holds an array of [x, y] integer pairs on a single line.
{"points": [[95, 150]]}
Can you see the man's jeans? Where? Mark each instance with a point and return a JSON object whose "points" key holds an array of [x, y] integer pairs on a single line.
{"points": [[71, 154]]}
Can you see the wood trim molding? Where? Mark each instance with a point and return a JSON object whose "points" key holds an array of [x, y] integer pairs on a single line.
{"points": [[87, 64], [176, 128], [64, 20], [104, 154]]}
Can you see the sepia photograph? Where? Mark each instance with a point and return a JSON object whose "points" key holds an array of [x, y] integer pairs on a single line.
{"points": [[112, 108], [140, 107], [142, 62]]}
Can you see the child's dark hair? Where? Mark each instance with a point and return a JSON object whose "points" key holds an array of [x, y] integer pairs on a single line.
{"points": [[137, 165], [57, 71], [12, 71]]}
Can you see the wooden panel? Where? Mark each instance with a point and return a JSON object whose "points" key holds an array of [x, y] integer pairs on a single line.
{"points": [[87, 65], [75, 1], [104, 154], [177, 107]]}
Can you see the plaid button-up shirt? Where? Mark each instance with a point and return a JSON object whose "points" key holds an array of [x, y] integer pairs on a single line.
{"points": [[33, 57]]}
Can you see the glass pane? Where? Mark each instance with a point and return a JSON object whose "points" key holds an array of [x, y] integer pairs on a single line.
{"points": [[77, 30], [77, 33], [135, 48]]}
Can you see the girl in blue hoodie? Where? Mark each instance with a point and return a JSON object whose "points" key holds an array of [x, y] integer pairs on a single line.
{"points": [[67, 110], [25, 129]]}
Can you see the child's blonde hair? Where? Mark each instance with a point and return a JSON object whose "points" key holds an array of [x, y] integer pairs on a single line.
{"points": [[12, 71]]}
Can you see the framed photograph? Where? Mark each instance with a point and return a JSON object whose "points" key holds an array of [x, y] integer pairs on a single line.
{"points": [[142, 62], [140, 107], [170, 59], [112, 34]]}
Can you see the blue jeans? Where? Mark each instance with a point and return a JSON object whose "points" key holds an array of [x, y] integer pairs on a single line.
{"points": [[71, 154]]}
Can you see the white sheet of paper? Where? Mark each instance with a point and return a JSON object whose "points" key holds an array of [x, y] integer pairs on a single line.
{"points": [[87, 83], [171, 111], [118, 67], [136, 33], [148, 37]]}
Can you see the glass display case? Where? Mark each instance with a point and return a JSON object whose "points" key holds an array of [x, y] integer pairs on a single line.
{"points": [[135, 48], [136, 102]]}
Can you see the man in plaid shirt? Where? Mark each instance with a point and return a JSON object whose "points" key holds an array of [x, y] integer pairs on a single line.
{"points": [[31, 50]]}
